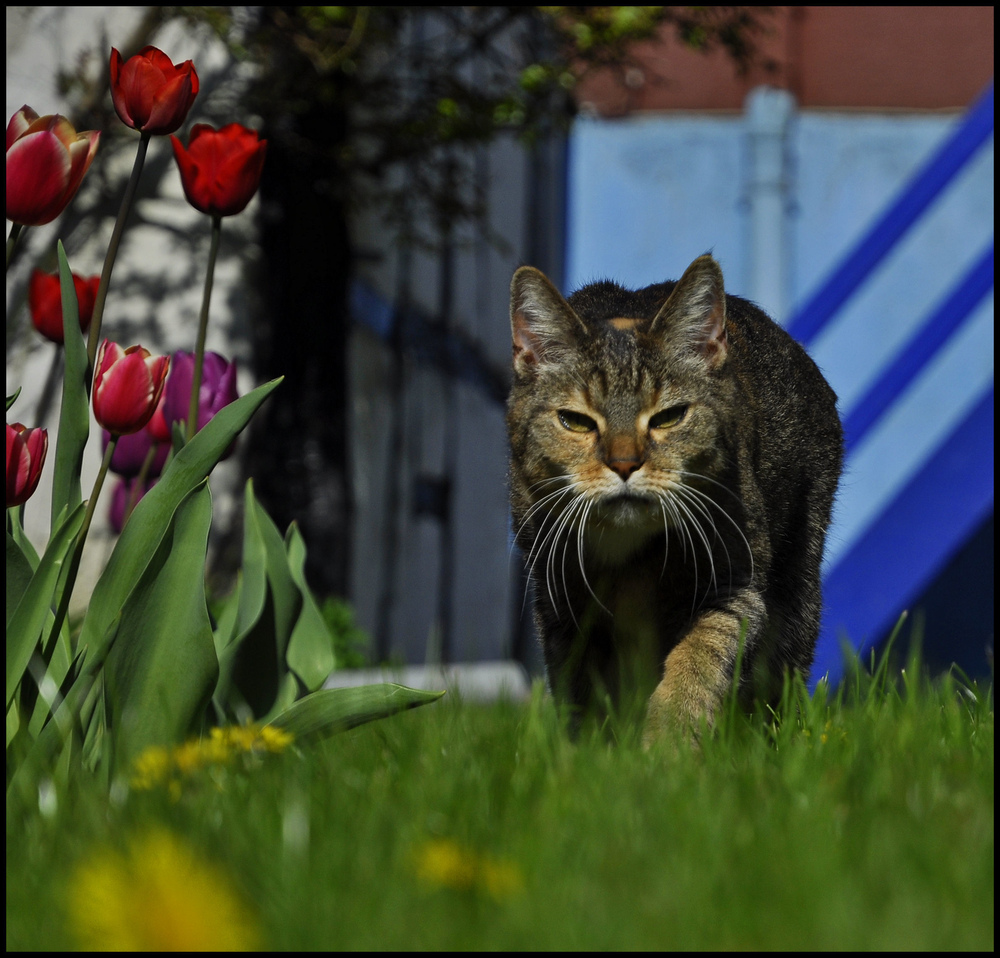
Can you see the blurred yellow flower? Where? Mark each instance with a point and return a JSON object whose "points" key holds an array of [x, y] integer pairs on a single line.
{"points": [[159, 896], [444, 863], [157, 765]]}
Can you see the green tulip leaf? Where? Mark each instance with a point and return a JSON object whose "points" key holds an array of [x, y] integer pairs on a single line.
{"points": [[20, 568], [253, 571], [16, 531], [13, 399], [58, 679], [225, 617], [24, 627], [149, 522], [162, 668], [253, 664], [335, 710], [19, 573], [74, 414], [38, 758], [310, 648], [284, 592]]}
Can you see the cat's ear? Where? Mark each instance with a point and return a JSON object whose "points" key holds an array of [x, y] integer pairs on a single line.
{"points": [[543, 326], [696, 312]]}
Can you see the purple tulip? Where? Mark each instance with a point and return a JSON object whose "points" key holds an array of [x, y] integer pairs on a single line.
{"points": [[131, 452], [218, 387], [125, 496]]}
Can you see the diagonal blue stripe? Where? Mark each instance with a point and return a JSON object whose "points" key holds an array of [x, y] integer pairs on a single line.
{"points": [[932, 334], [936, 174], [907, 544]]}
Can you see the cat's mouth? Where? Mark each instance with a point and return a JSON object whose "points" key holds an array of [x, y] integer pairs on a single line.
{"points": [[620, 525], [627, 509]]}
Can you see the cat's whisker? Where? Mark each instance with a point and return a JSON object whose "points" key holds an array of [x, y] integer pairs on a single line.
{"points": [[541, 541], [565, 526], [736, 526], [551, 497], [666, 534], [680, 523], [694, 503], [579, 552], [542, 544], [558, 522], [584, 507]]}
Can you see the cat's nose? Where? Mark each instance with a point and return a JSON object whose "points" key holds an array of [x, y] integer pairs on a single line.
{"points": [[624, 467]]}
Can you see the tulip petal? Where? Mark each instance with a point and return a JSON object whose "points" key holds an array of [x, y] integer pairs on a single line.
{"points": [[159, 59], [19, 123], [127, 392], [190, 178], [139, 82], [81, 154], [170, 105], [241, 174], [38, 171], [26, 449]]}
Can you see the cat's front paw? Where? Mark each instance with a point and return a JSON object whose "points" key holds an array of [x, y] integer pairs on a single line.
{"points": [[674, 721], [679, 712]]}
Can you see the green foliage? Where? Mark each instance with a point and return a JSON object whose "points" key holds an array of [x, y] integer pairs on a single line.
{"points": [[148, 667], [350, 643], [374, 89]]}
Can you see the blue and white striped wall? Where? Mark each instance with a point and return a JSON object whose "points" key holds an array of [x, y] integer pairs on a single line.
{"points": [[871, 238]]}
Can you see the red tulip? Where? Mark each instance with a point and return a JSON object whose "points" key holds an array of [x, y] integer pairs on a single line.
{"points": [[45, 300], [26, 450], [127, 386], [220, 169], [150, 94], [46, 161], [158, 427]]}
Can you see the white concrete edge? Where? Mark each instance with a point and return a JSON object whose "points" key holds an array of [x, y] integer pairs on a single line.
{"points": [[473, 681]]}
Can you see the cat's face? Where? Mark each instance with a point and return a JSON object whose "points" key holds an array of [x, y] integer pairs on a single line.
{"points": [[614, 419]]}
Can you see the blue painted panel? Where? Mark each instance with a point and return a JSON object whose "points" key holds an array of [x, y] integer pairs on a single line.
{"points": [[647, 195], [909, 204], [932, 336], [907, 435], [904, 547]]}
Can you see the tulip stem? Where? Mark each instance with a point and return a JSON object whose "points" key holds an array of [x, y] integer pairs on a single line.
{"points": [[109, 259], [15, 232], [199, 349], [74, 565]]}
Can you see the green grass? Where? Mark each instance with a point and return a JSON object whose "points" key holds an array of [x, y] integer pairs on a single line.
{"points": [[858, 821]]}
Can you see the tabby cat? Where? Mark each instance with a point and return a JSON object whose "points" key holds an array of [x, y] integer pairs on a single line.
{"points": [[674, 459]]}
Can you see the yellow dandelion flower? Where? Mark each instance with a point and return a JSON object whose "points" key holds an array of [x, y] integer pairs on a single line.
{"points": [[161, 766], [252, 738], [445, 863], [275, 739], [152, 767], [502, 879], [159, 896]]}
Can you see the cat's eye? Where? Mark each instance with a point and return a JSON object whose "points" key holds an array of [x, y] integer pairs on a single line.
{"points": [[576, 421], [667, 417]]}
